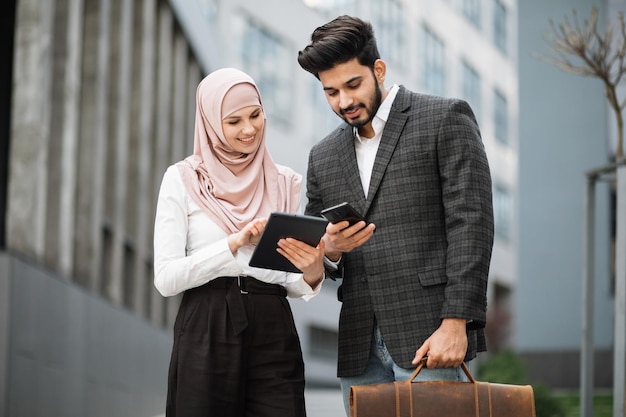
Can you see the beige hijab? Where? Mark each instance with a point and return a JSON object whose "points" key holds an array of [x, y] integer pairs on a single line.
{"points": [[231, 187]]}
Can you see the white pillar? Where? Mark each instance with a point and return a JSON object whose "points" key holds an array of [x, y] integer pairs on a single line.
{"points": [[619, 352], [587, 348]]}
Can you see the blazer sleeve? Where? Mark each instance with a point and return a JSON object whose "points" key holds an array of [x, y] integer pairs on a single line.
{"points": [[467, 200], [315, 202]]}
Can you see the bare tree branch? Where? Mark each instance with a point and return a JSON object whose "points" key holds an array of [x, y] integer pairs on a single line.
{"points": [[597, 54]]}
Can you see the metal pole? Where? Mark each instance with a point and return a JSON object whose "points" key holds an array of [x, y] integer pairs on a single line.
{"points": [[619, 352], [586, 352]]}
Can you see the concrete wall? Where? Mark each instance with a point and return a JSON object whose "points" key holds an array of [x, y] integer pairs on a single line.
{"points": [[67, 352]]}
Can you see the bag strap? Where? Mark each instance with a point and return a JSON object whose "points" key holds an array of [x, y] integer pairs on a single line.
{"points": [[483, 399], [404, 399], [422, 364]]}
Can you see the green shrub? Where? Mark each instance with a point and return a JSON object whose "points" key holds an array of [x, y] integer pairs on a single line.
{"points": [[507, 367], [547, 404]]}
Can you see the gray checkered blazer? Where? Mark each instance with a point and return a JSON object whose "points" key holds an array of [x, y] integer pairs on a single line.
{"points": [[430, 198]]}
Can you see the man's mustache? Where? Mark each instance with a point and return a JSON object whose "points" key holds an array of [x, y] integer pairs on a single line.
{"points": [[349, 109]]}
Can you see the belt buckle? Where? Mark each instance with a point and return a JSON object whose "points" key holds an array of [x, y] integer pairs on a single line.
{"points": [[239, 282]]}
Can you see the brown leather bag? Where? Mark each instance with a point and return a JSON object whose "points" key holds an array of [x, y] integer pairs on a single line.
{"points": [[442, 398]]}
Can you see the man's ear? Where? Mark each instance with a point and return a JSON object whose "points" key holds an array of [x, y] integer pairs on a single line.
{"points": [[380, 70]]}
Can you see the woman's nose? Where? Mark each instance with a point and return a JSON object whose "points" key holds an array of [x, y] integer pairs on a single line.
{"points": [[248, 128]]}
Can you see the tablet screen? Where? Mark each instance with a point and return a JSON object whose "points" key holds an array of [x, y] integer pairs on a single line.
{"points": [[308, 229]]}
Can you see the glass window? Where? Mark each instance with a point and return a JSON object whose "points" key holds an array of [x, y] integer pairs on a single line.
{"points": [[471, 10], [267, 59], [390, 29], [433, 63], [501, 117], [471, 88], [324, 118], [500, 26], [502, 211]]}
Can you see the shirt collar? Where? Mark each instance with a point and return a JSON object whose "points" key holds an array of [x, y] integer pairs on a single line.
{"points": [[383, 111]]}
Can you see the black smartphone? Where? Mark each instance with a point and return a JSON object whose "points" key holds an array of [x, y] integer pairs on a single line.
{"points": [[340, 212]]}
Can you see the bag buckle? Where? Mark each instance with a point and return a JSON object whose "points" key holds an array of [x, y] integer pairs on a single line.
{"points": [[239, 284]]}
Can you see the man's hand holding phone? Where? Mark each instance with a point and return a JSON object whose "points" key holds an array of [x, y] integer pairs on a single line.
{"points": [[347, 229], [342, 212]]}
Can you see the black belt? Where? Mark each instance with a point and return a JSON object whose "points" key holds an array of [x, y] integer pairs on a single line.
{"points": [[237, 287], [248, 285]]}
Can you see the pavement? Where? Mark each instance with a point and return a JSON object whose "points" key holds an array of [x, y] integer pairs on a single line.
{"points": [[320, 403], [324, 403]]}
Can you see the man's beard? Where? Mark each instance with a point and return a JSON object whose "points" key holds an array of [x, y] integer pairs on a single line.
{"points": [[378, 98]]}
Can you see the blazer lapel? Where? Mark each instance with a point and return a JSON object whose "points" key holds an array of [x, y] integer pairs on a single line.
{"points": [[391, 134]]}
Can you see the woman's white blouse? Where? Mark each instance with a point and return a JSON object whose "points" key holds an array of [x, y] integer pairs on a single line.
{"points": [[191, 250]]}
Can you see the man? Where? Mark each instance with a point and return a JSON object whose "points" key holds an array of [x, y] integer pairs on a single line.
{"points": [[415, 276]]}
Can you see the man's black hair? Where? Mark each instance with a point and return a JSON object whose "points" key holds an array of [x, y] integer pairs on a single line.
{"points": [[337, 42]]}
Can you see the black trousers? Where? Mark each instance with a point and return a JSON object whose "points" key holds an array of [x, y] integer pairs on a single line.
{"points": [[217, 369]]}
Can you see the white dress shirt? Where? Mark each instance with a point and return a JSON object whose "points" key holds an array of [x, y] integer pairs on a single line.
{"points": [[366, 148], [190, 249]]}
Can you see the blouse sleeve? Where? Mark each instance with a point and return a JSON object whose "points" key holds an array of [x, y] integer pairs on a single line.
{"points": [[178, 267], [298, 288]]}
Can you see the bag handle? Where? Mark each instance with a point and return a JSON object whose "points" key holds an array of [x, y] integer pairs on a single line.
{"points": [[422, 364]]}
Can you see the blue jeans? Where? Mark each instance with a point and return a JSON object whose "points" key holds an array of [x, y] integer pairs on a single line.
{"points": [[381, 368]]}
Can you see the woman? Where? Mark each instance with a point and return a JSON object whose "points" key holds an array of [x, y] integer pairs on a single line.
{"points": [[236, 351]]}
